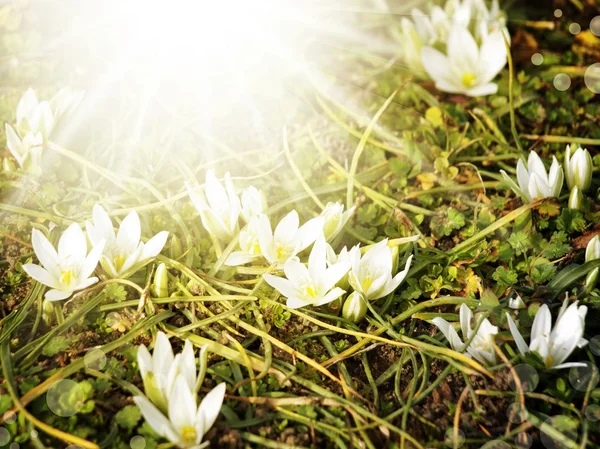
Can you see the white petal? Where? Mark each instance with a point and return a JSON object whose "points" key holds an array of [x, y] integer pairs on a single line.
{"points": [[162, 356], [91, 261], [492, 57], [72, 244], [542, 323], [41, 275], [237, 258], [188, 365], [463, 52], [436, 64], [483, 90], [465, 321], [449, 332], [331, 296], [57, 295], [103, 227], [130, 231], [521, 345], [144, 360], [45, 252], [182, 405], [287, 228], [317, 260], [283, 286], [296, 272], [153, 416], [154, 246], [210, 407]]}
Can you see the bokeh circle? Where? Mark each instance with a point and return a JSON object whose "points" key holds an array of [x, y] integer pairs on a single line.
{"points": [[65, 398], [592, 81], [562, 82], [528, 378], [584, 378]]}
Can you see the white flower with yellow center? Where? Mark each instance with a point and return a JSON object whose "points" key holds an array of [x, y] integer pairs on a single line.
{"points": [[466, 68], [218, 206], [371, 274], [335, 219], [160, 369], [186, 424], [249, 245], [123, 253], [554, 345], [289, 237], [481, 347], [67, 270], [313, 285]]}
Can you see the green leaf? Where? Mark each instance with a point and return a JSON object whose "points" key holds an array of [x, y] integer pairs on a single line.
{"points": [[56, 345], [505, 276], [443, 225], [128, 417], [115, 292]]}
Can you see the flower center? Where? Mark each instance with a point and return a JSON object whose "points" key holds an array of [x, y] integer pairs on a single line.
{"points": [[469, 79], [283, 253], [118, 262], [67, 277], [310, 291], [188, 434]]}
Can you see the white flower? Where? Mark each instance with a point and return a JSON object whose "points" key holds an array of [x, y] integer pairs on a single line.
{"points": [[186, 424], [160, 369], [312, 286], [35, 123], [67, 270], [466, 68], [481, 347], [516, 303], [253, 203], [27, 151], [578, 169], [371, 274], [289, 237], [534, 180], [218, 206], [123, 253], [249, 245], [335, 219], [554, 346], [421, 30]]}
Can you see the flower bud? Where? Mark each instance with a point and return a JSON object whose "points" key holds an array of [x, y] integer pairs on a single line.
{"points": [[575, 198], [160, 285], [578, 168], [355, 307], [592, 251], [176, 249], [48, 314], [590, 280], [516, 303]]}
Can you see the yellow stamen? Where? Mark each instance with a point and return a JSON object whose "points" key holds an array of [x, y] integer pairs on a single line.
{"points": [[310, 290], [469, 79], [118, 262], [66, 277], [188, 435]]}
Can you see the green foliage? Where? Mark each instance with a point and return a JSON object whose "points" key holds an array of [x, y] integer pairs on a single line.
{"points": [[128, 417]]}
